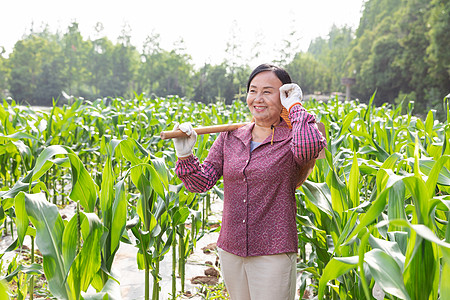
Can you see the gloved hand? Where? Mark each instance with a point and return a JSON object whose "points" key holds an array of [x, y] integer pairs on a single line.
{"points": [[290, 94], [184, 145]]}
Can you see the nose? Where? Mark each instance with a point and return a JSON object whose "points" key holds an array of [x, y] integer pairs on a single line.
{"points": [[259, 97]]}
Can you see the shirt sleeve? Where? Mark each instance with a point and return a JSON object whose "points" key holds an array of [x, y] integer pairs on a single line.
{"points": [[307, 141], [199, 178]]}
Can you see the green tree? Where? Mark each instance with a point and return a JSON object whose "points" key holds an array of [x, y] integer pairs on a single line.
{"points": [[4, 74], [100, 65], [213, 82], [146, 78], [26, 65], [438, 50], [125, 59], [51, 79], [332, 52], [164, 73], [311, 74], [76, 51]]}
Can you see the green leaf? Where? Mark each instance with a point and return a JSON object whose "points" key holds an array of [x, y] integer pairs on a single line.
{"points": [[49, 231], [88, 261], [69, 242], [438, 174], [347, 122], [353, 182], [386, 273], [22, 221], [107, 192], [156, 181], [16, 136], [84, 188], [396, 204], [319, 195], [445, 279], [429, 122], [33, 269], [162, 171], [180, 216], [372, 214], [3, 291], [419, 192], [46, 155], [335, 268], [111, 290], [391, 248], [338, 192], [119, 215]]}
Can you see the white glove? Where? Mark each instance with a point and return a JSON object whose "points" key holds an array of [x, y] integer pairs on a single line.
{"points": [[290, 94], [184, 145]]}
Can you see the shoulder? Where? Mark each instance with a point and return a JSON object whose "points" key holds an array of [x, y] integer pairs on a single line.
{"points": [[241, 132]]}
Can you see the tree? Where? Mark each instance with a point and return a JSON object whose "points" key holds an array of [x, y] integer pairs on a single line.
{"points": [[212, 83], [332, 52], [26, 64], [309, 73], [51, 79], [4, 74], [438, 53], [76, 51], [100, 67]]}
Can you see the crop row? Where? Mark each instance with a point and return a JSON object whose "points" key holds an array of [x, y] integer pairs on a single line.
{"points": [[374, 212]]}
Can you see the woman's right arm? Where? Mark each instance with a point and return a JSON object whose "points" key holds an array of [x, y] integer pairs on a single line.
{"points": [[199, 178]]}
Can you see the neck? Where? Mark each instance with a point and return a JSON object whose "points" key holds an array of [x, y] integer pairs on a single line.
{"points": [[262, 130], [267, 124]]}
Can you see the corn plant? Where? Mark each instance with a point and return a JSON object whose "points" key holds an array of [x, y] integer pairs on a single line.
{"points": [[372, 203]]}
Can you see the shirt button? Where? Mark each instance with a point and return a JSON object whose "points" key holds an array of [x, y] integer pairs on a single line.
{"points": [[245, 200], [243, 221], [244, 179]]}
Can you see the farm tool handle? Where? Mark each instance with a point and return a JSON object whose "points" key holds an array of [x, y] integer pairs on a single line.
{"points": [[202, 130]]}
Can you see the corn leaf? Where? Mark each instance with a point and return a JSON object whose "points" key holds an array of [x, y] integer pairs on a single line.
{"points": [[49, 231], [319, 195], [386, 273], [22, 222], [119, 215], [353, 182], [88, 261], [390, 248], [335, 268], [84, 188]]}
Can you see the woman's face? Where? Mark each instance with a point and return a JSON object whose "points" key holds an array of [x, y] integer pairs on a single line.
{"points": [[263, 98]]}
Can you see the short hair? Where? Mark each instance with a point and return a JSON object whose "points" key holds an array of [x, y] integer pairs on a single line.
{"points": [[281, 73]]}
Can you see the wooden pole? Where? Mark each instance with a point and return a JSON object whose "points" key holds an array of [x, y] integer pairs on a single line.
{"points": [[202, 130]]}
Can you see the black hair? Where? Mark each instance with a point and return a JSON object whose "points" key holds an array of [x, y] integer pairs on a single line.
{"points": [[281, 73]]}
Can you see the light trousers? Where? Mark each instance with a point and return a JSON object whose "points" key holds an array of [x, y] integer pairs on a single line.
{"points": [[268, 277]]}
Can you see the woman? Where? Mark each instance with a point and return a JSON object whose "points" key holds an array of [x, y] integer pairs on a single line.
{"points": [[262, 164]]}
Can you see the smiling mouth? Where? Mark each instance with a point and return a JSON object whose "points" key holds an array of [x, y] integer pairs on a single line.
{"points": [[259, 108]]}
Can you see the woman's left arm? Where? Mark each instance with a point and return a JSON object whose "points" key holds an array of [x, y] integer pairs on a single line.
{"points": [[307, 141]]}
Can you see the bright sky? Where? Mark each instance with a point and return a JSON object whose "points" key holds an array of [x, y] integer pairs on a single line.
{"points": [[205, 26]]}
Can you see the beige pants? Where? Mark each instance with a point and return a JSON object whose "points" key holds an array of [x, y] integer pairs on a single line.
{"points": [[269, 277]]}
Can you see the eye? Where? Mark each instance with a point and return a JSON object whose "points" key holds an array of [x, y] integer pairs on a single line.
{"points": [[251, 91], [267, 92]]}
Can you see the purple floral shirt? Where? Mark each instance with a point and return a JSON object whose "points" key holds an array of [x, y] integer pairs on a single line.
{"points": [[259, 213]]}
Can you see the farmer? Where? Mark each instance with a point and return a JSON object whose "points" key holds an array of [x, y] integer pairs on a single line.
{"points": [[262, 164]]}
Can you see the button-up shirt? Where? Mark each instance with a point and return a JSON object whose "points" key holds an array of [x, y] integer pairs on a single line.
{"points": [[259, 212]]}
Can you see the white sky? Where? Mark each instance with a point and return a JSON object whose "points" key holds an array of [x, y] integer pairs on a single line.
{"points": [[205, 26]]}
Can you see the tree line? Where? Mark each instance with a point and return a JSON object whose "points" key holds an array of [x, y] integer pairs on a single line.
{"points": [[399, 50]]}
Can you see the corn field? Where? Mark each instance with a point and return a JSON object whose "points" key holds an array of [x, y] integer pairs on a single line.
{"points": [[372, 217]]}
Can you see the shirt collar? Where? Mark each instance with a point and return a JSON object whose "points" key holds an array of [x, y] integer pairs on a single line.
{"points": [[281, 132]]}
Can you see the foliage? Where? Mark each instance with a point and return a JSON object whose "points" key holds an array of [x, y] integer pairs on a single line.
{"points": [[400, 49], [374, 213]]}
